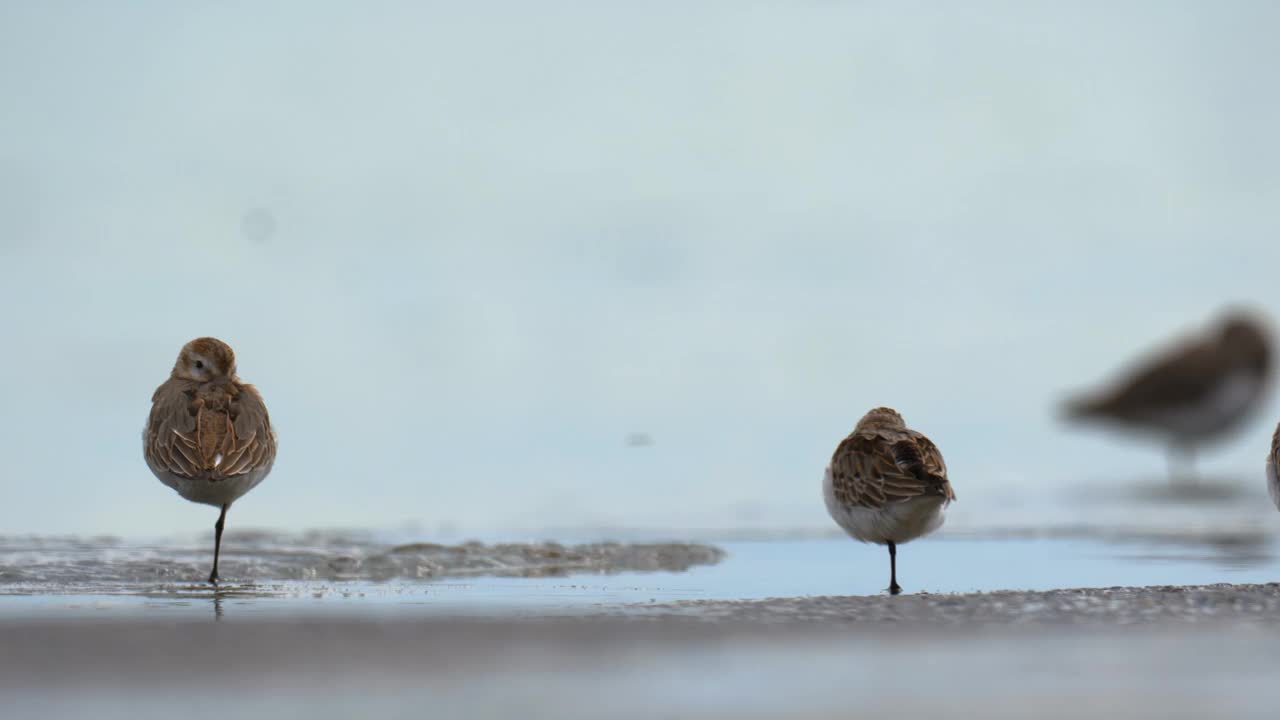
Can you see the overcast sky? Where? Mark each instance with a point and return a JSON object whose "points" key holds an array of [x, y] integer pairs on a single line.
{"points": [[465, 250]]}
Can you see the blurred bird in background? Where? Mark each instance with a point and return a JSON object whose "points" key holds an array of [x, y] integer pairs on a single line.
{"points": [[1192, 393]]}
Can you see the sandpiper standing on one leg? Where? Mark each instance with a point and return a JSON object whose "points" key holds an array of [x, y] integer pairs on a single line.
{"points": [[209, 436], [1190, 394], [887, 484]]}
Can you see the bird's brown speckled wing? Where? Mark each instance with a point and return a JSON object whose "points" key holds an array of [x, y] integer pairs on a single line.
{"points": [[871, 470], [254, 438], [933, 463], [1182, 376], [172, 420], [211, 431]]}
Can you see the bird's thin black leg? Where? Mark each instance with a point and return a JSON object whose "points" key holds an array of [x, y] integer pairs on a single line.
{"points": [[894, 588], [217, 543]]}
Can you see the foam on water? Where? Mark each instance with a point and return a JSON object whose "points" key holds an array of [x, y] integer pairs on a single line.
{"points": [[63, 564]]}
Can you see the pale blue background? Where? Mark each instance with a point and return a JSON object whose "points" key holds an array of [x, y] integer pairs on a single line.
{"points": [[510, 234]]}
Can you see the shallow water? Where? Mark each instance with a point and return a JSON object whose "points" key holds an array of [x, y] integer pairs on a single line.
{"points": [[345, 624], [750, 569], [1102, 535]]}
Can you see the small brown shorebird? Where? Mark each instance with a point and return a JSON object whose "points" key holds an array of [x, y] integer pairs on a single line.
{"points": [[1192, 393], [209, 436], [887, 484]]}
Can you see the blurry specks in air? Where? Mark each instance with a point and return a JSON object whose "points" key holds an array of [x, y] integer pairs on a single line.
{"points": [[639, 440], [258, 225]]}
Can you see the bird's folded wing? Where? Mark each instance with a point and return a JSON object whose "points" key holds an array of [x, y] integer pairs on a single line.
{"points": [[211, 436], [935, 467], [169, 443], [255, 442], [1183, 378], [872, 470]]}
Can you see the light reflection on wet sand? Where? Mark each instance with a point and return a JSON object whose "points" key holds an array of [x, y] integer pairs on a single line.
{"points": [[620, 669], [134, 634]]}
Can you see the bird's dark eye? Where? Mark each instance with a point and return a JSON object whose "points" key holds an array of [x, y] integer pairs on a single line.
{"points": [[199, 364]]}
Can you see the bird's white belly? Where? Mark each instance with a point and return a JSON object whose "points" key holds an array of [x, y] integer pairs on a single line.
{"points": [[896, 522], [1227, 404], [219, 493]]}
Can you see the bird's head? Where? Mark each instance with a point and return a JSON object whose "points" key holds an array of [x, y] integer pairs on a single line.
{"points": [[204, 360]]}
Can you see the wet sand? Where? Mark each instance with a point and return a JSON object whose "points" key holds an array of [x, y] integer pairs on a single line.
{"points": [[594, 648], [1079, 606], [996, 654]]}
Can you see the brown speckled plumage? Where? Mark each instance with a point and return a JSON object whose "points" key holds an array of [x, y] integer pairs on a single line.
{"points": [[209, 436], [887, 484], [213, 429], [883, 461]]}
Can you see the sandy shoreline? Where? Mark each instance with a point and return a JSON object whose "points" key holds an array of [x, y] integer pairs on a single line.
{"points": [[1121, 652], [1094, 606], [132, 643]]}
